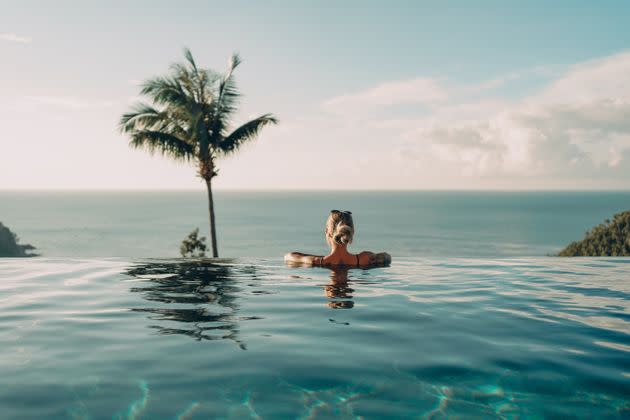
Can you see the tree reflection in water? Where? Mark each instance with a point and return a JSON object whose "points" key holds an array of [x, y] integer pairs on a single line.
{"points": [[195, 298]]}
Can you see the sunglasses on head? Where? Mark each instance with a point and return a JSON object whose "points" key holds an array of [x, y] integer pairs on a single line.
{"points": [[341, 211]]}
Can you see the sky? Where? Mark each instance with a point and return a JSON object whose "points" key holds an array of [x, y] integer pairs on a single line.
{"points": [[400, 95]]}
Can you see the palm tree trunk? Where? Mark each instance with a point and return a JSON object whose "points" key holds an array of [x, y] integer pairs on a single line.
{"points": [[213, 231]]}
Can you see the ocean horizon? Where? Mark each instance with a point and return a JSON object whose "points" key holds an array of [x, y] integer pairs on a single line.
{"points": [[267, 224]]}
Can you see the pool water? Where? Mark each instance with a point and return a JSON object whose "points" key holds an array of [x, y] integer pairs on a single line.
{"points": [[424, 338]]}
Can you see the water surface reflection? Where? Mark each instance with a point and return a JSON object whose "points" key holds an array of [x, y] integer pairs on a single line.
{"points": [[196, 298], [338, 291]]}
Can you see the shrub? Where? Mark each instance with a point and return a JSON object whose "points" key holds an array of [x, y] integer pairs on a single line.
{"points": [[193, 243]]}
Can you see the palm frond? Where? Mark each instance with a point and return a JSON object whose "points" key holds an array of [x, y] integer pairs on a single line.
{"points": [[207, 78], [248, 131], [228, 93], [189, 58], [189, 82], [195, 80], [164, 143], [168, 91], [142, 114], [147, 117], [226, 101]]}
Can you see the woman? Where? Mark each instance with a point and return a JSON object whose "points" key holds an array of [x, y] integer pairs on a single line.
{"points": [[339, 234]]}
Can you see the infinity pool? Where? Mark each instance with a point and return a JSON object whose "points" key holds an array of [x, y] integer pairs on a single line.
{"points": [[103, 338]]}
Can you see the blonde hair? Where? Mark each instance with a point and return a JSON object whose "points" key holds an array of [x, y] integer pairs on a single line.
{"points": [[340, 227]]}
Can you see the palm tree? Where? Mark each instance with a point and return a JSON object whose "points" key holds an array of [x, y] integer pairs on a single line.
{"points": [[189, 119]]}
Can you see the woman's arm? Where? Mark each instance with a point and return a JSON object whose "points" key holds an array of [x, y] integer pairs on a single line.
{"points": [[367, 258], [299, 258]]}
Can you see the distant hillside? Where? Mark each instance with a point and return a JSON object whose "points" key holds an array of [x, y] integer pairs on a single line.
{"points": [[611, 238], [9, 246]]}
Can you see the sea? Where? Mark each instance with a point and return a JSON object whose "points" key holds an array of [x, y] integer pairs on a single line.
{"points": [[267, 224], [474, 319]]}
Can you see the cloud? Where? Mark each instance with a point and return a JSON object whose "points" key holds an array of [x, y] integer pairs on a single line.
{"points": [[12, 37], [506, 79], [539, 141], [603, 78], [420, 90], [430, 93], [576, 127], [572, 131]]}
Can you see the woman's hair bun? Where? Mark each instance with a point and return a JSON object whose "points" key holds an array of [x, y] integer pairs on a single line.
{"points": [[339, 227], [343, 234]]}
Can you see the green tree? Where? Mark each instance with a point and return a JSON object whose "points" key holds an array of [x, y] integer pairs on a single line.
{"points": [[10, 244], [189, 118], [193, 243], [611, 238]]}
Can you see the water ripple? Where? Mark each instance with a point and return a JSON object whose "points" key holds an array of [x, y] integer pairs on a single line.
{"points": [[431, 338]]}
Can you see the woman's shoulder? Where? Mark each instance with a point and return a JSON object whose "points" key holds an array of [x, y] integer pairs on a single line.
{"points": [[368, 258]]}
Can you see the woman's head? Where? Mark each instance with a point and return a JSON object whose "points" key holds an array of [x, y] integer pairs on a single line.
{"points": [[339, 227]]}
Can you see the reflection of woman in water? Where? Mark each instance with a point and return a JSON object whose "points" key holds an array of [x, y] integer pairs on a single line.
{"points": [[338, 290], [339, 234]]}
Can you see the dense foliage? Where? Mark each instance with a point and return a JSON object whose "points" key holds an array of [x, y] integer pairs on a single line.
{"points": [[193, 243], [611, 238], [188, 117], [9, 244]]}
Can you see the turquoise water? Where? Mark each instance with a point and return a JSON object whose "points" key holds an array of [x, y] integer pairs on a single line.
{"points": [[251, 338], [269, 224]]}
